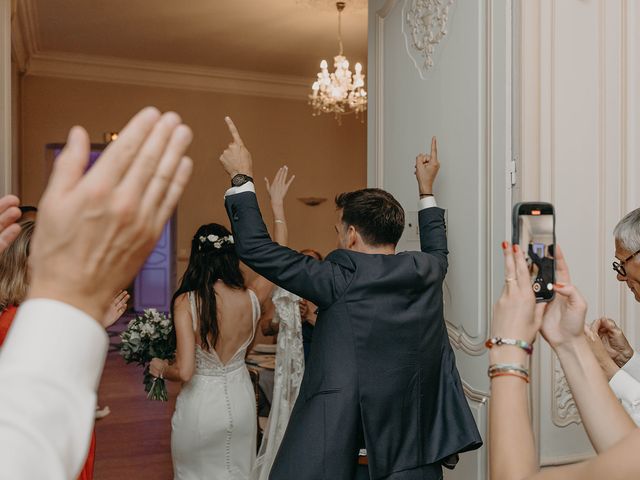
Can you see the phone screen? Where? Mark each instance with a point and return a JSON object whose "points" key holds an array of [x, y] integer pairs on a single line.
{"points": [[534, 232]]}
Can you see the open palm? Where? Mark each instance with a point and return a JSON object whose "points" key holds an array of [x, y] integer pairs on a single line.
{"points": [[279, 187]]}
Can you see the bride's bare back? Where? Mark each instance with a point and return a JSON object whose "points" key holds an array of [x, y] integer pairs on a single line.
{"points": [[235, 321]]}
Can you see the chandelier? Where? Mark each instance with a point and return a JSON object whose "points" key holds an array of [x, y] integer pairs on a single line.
{"points": [[341, 92]]}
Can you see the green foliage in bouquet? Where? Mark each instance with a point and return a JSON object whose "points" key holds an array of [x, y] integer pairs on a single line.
{"points": [[150, 335]]}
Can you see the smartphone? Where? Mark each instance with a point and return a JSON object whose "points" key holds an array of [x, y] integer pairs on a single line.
{"points": [[534, 230]]}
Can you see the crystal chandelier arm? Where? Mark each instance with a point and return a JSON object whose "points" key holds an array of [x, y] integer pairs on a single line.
{"points": [[340, 6]]}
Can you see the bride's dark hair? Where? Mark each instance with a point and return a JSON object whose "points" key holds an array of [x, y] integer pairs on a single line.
{"points": [[213, 257]]}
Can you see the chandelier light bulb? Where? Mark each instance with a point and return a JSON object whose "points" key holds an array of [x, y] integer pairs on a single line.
{"points": [[340, 92]]}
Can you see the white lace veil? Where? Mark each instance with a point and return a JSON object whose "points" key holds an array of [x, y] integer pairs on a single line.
{"points": [[287, 378]]}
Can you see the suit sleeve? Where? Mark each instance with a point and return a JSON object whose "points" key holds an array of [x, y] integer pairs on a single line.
{"points": [[321, 282], [433, 235]]}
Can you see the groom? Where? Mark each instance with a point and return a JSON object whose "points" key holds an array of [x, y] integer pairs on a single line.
{"points": [[381, 373]]}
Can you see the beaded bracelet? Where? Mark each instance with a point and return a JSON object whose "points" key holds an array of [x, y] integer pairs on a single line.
{"points": [[497, 341]]}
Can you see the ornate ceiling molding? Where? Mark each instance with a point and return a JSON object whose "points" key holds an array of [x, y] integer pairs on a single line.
{"points": [[33, 61], [168, 75]]}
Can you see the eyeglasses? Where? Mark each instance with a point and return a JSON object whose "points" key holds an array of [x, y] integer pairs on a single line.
{"points": [[618, 267]]}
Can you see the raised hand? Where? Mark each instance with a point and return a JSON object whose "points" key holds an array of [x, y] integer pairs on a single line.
{"points": [[116, 308], [427, 167], [279, 187], [562, 318], [513, 313], [613, 339], [94, 231], [236, 158], [9, 214]]}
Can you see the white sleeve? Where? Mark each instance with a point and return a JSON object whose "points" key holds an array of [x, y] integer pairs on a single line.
{"points": [[627, 389], [632, 367], [50, 367], [247, 187], [427, 202]]}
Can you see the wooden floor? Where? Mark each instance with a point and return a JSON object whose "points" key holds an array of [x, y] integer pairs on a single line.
{"points": [[133, 442]]}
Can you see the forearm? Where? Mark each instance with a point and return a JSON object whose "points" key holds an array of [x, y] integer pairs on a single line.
{"points": [[593, 396], [172, 373], [280, 230], [433, 234], [298, 273], [512, 452]]}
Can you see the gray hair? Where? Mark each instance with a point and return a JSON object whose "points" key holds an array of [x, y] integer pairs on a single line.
{"points": [[627, 232]]}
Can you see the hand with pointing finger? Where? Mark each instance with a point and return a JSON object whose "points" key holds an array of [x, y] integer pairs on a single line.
{"points": [[236, 159], [427, 167]]}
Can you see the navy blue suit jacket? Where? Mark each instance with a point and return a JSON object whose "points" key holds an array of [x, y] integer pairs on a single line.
{"points": [[381, 368]]}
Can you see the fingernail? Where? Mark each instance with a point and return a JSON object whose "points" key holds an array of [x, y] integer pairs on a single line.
{"points": [[559, 285], [515, 248], [504, 245]]}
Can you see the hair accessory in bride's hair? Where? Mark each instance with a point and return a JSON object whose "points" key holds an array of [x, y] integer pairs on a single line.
{"points": [[218, 242]]}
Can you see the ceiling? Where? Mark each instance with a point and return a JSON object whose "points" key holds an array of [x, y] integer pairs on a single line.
{"points": [[287, 37]]}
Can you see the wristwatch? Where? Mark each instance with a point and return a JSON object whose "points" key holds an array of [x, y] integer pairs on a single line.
{"points": [[240, 179]]}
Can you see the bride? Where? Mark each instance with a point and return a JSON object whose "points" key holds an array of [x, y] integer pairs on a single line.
{"points": [[214, 425]]}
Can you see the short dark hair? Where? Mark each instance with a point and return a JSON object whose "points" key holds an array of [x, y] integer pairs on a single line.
{"points": [[375, 214]]}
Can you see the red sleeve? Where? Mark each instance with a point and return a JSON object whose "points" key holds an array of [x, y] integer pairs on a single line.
{"points": [[6, 318]]}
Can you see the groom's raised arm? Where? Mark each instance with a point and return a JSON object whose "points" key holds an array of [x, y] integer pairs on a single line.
{"points": [[320, 282], [433, 232]]}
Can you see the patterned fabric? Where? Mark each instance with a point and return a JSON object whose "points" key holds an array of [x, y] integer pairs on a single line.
{"points": [[287, 378]]}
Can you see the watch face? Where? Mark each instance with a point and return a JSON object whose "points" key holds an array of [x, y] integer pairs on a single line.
{"points": [[237, 180], [240, 179]]}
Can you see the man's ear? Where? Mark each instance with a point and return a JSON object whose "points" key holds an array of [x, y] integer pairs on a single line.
{"points": [[352, 236]]}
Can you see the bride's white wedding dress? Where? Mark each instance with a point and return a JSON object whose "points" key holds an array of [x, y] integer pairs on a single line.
{"points": [[214, 425]]}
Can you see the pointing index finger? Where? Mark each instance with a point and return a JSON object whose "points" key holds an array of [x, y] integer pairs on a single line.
{"points": [[434, 149], [234, 131]]}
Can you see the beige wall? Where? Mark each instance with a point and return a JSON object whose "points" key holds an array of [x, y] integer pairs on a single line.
{"points": [[326, 158]]}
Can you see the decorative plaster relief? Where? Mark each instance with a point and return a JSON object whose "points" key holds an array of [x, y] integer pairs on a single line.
{"points": [[564, 409], [426, 23]]}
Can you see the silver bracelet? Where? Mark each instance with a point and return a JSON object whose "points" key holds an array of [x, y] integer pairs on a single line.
{"points": [[277, 220]]}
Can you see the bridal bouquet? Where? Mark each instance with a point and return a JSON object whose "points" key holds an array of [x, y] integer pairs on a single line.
{"points": [[149, 336]]}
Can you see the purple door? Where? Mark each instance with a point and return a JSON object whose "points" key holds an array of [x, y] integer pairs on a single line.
{"points": [[155, 282]]}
